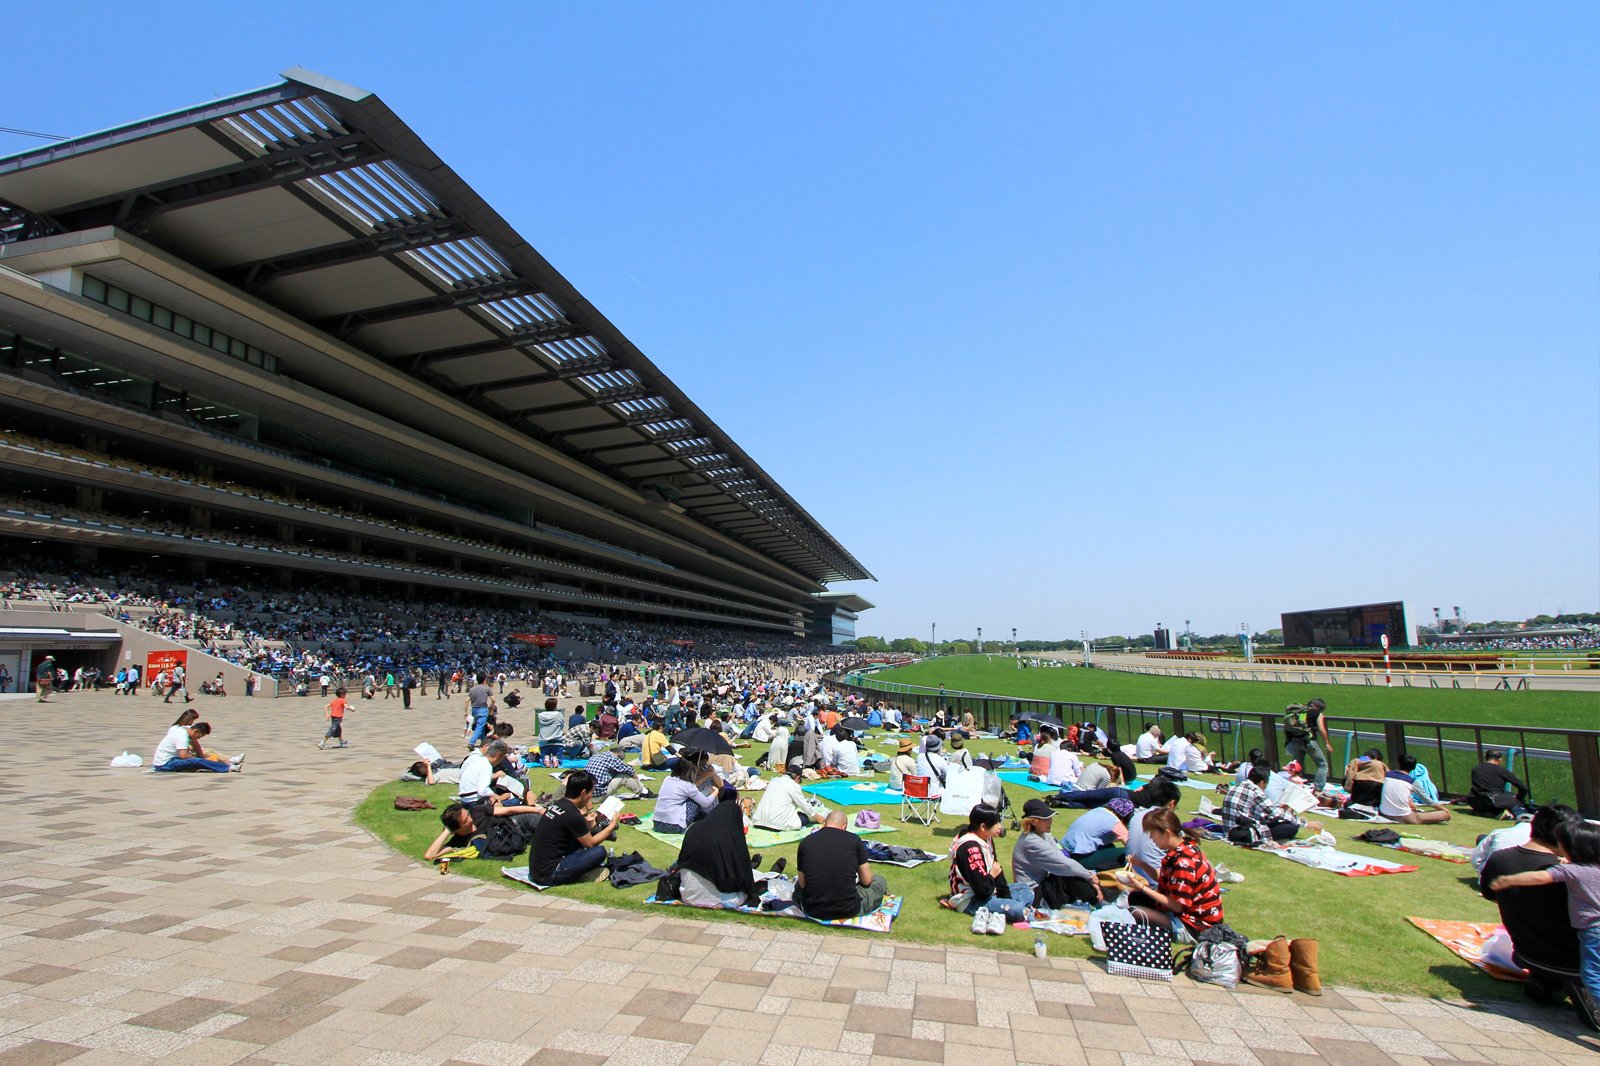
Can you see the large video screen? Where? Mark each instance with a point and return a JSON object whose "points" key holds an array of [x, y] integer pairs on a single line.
{"points": [[1347, 627]]}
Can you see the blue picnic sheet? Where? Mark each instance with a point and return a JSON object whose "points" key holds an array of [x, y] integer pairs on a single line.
{"points": [[855, 793]]}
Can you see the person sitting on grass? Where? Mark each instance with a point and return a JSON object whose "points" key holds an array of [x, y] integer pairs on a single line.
{"points": [[714, 862], [903, 763], [483, 773], [686, 795], [834, 878], [1579, 843], [614, 777], [977, 880], [497, 830], [1148, 747], [1363, 778], [785, 805], [1543, 942], [1095, 839], [1186, 897], [1038, 861], [1144, 854], [569, 841], [1250, 820], [933, 765], [180, 751], [1490, 783], [1398, 802]]}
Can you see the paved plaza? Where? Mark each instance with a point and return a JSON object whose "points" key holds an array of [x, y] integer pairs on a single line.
{"points": [[211, 920]]}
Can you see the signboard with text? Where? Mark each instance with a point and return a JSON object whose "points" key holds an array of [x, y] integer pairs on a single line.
{"points": [[157, 661]]}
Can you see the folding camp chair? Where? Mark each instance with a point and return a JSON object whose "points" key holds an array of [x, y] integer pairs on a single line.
{"points": [[922, 807]]}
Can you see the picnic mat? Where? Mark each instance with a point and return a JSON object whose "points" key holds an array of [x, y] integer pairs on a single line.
{"points": [[755, 838], [519, 874], [1337, 862], [1433, 849], [855, 793], [1466, 940], [879, 921], [1020, 777]]}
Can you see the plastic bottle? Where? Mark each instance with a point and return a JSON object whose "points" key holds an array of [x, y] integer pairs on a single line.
{"points": [[1039, 950]]}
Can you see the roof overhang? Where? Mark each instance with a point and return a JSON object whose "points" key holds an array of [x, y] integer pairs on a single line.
{"points": [[314, 197]]}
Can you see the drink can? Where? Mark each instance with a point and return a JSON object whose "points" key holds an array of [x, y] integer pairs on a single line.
{"points": [[444, 866]]}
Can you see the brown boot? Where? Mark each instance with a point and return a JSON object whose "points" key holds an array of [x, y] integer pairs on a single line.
{"points": [[1272, 968], [1303, 967]]}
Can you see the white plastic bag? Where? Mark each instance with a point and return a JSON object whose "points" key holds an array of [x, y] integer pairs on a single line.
{"points": [[1323, 839], [127, 758], [1497, 951], [1216, 964], [1110, 914]]}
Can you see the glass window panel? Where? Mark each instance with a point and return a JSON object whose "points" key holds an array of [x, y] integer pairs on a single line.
{"points": [[139, 307], [162, 317], [183, 327], [94, 289], [116, 298]]}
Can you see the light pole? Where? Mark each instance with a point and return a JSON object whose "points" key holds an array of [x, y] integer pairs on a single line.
{"points": [[1083, 641], [980, 640], [933, 636], [1014, 649], [1188, 636]]}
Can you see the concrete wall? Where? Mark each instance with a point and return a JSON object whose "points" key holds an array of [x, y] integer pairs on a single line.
{"points": [[135, 647]]}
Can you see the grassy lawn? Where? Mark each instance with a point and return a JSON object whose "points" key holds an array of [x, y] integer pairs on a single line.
{"points": [[1000, 676], [1360, 921]]}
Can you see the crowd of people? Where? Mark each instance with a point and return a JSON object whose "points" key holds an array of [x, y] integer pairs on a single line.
{"points": [[1125, 848]]}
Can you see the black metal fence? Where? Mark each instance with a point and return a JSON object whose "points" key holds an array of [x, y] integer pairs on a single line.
{"points": [[1560, 765]]}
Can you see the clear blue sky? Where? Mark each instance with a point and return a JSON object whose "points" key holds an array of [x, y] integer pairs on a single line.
{"points": [[1059, 317]]}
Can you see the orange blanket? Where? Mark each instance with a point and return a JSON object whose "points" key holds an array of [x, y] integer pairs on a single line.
{"points": [[1466, 939]]}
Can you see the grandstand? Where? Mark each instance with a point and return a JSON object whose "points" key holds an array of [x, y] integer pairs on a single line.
{"points": [[274, 342]]}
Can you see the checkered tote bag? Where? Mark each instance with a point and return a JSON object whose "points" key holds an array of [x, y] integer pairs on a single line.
{"points": [[1139, 951]]}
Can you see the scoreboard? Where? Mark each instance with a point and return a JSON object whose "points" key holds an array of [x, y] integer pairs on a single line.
{"points": [[1362, 626]]}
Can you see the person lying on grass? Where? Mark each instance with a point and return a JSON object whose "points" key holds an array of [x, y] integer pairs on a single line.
{"points": [[496, 829]]}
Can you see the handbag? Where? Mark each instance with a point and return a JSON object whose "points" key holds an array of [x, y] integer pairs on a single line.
{"points": [[1139, 951]]}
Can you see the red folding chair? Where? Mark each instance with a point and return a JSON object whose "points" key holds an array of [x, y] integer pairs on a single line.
{"points": [[916, 803]]}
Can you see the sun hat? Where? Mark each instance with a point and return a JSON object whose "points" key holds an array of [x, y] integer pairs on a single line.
{"points": [[907, 744], [932, 743]]}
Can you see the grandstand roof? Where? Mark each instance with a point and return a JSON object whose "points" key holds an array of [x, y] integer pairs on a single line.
{"points": [[313, 196]]}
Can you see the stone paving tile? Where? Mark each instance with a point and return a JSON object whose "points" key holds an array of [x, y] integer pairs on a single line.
{"points": [[300, 940]]}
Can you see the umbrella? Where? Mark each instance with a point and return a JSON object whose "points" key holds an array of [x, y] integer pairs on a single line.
{"points": [[1042, 719], [703, 739], [854, 722]]}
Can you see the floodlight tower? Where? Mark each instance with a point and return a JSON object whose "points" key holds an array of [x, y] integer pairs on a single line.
{"points": [[980, 640], [1014, 649]]}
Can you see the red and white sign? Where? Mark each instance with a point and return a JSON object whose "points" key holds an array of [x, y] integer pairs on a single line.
{"points": [[543, 640], [158, 661]]}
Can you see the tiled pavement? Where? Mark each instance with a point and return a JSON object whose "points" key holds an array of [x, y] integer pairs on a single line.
{"points": [[198, 919]]}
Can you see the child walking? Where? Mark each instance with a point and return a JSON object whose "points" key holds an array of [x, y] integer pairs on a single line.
{"points": [[1579, 842], [336, 709]]}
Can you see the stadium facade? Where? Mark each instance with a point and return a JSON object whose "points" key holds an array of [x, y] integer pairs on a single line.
{"points": [[275, 335]]}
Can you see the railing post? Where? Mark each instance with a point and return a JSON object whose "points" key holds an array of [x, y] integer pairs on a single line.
{"points": [[1394, 741], [1269, 737], [1585, 751]]}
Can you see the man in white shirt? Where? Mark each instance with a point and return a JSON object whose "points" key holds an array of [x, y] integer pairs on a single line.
{"points": [[784, 805], [846, 756], [180, 751], [1178, 753], [481, 769], [1064, 767], [827, 749], [1148, 748]]}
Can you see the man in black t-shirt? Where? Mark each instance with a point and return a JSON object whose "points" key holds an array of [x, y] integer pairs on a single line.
{"points": [[567, 841], [1543, 941], [1489, 779], [835, 879]]}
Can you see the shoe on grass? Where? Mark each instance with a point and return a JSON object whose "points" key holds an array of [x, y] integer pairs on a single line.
{"points": [[980, 922]]}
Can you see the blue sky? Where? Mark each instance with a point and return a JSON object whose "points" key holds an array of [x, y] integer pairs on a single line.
{"points": [[1059, 317]]}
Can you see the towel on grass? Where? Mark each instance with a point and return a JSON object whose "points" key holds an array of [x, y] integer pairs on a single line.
{"points": [[755, 838], [1467, 941], [879, 921], [1336, 862], [1434, 849], [855, 793]]}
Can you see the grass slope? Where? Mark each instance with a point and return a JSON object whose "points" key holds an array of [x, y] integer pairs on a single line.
{"points": [[1360, 922], [1000, 676]]}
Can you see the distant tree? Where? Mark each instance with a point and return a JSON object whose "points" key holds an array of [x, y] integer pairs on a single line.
{"points": [[871, 644], [908, 644], [959, 647]]}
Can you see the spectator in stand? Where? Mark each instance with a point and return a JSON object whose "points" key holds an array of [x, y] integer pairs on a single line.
{"points": [[1543, 942], [834, 878], [1398, 799], [569, 841]]}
